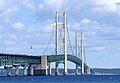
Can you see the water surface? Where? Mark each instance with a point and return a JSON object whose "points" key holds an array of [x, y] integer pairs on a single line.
{"points": [[62, 79]]}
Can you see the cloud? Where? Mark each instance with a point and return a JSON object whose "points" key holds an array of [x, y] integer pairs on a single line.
{"points": [[19, 26], [90, 33], [29, 4], [100, 48], [97, 48], [9, 42], [47, 9], [9, 10], [4, 4], [6, 14], [86, 25], [85, 21], [91, 9], [106, 6], [98, 36], [48, 27], [116, 1], [97, 18], [53, 5]]}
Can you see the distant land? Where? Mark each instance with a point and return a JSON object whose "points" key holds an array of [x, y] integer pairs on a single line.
{"points": [[98, 71], [102, 71]]}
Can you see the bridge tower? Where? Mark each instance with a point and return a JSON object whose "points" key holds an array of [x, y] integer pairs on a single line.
{"points": [[61, 26], [82, 52], [77, 48]]}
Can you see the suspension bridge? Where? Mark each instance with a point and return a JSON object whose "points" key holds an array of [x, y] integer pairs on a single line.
{"points": [[41, 65]]}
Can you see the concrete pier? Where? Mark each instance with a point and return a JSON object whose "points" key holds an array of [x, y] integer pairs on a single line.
{"points": [[25, 70], [17, 70], [8, 70], [31, 70], [49, 68], [57, 69], [88, 70], [41, 69]]}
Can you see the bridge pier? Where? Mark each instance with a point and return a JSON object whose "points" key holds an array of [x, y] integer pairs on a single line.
{"points": [[88, 70], [49, 68], [57, 72], [17, 70], [41, 69], [57, 69], [31, 70], [76, 70], [25, 70], [8, 69]]}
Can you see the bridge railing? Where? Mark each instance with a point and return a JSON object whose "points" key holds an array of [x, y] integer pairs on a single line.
{"points": [[9, 59]]}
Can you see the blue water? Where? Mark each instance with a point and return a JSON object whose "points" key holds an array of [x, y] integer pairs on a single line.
{"points": [[62, 79]]}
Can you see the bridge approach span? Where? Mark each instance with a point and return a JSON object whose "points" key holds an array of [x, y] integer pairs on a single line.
{"points": [[74, 59]]}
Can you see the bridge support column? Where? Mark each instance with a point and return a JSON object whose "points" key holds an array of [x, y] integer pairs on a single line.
{"points": [[65, 44], [82, 52], [31, 70], [76, 69], [41, 69], [57, 69], [62, 27], [49, 67], [9, 71], [25, 70], [17, 70], [88, 70], [77, 51]]}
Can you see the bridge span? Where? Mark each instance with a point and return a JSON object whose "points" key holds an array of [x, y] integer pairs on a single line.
{"points": [[34, 65]]}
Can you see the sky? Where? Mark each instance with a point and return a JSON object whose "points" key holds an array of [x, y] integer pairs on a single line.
{"points": [[26, 26]]}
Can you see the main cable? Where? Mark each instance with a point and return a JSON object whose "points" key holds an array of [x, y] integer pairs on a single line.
{"points": [[70, 41], [48, 41]]}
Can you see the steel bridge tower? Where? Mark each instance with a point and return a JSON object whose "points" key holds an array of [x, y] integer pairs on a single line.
{"points": [[61, 16], [82, 52], [77, 50]]}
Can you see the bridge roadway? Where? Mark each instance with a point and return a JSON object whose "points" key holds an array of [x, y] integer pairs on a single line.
{"points": [[12, 59]]}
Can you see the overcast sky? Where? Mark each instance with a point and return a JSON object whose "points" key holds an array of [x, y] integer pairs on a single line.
{"points": [[26, 26]]}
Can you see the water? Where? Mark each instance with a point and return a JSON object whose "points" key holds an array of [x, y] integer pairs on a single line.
{"points": [[62, 79]]}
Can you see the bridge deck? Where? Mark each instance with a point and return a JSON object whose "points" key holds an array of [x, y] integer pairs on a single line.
{"points": [[74, 59], [11, 59]]}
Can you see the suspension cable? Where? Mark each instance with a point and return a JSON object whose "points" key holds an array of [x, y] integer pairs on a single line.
{"points": [[48, 41], [85, 55], [79, 53], [61, 41], [70, 41]]}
